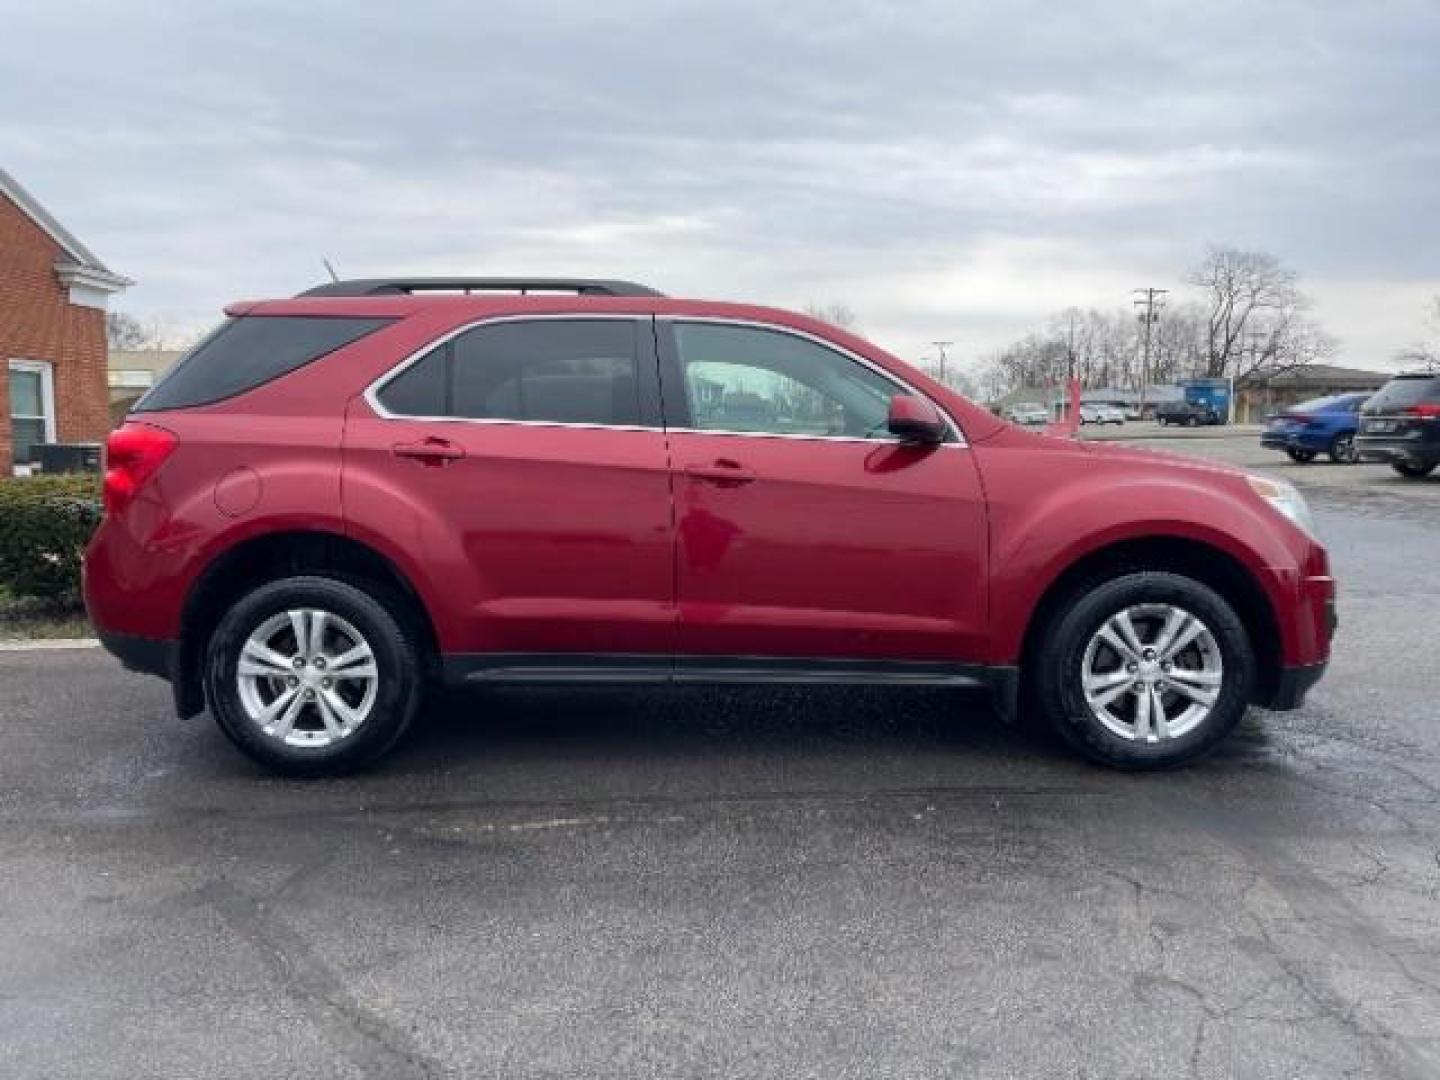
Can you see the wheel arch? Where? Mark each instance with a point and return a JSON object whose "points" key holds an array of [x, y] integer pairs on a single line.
{"points": [[1204, 562], [273, 555]]}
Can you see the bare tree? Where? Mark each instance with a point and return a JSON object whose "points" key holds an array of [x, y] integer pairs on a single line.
{"points": [[124, 332], [835, 313], [1247, 292], [1250, 316], [1425, 352]]}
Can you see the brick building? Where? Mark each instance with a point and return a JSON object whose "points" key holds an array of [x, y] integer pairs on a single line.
{"points": [[53, 295]]}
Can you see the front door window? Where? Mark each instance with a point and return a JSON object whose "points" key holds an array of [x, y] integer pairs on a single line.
{"points": [[747, 379]]}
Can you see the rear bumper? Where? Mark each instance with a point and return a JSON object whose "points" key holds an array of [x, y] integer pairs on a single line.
{"points": [[1398, 448], [1293, 440], [154, 656]]}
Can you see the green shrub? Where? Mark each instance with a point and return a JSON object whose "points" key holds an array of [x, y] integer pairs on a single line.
{"points": [[45, 523]]}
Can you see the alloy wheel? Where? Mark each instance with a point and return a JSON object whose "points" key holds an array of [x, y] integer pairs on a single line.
{"points": [[307, 678], [1152, 672]]}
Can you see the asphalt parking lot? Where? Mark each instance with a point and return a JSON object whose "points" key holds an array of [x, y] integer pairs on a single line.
{"points": [[750, 884]]}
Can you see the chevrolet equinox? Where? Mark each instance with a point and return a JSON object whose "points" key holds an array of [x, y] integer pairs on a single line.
{"points": [[337, 501]]}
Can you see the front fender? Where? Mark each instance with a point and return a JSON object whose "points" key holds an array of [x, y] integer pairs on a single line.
{"points": [[1045, 521]]}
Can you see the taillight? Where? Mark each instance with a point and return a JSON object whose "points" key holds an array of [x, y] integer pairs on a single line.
{"points": [[132, 454], [1428, 411]]}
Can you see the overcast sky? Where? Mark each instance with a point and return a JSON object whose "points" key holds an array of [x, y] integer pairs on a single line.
{"points": [[949, 170]]}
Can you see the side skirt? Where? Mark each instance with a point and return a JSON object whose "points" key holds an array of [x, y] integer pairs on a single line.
{"points": [[603, 669]]}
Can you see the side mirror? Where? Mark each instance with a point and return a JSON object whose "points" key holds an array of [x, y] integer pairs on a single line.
{"points": [[915, 420]]}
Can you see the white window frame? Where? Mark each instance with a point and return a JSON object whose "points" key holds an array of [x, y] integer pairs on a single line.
{"points": [[46, 371]]}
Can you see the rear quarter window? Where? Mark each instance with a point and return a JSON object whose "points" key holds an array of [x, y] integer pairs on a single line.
{"points": [[249, 351]]}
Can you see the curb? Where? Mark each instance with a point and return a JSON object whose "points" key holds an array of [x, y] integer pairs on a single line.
{"points": [[49, 644]]}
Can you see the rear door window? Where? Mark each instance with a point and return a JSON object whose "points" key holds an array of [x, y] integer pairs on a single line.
{"points": [[247, 352], [557, 371]]}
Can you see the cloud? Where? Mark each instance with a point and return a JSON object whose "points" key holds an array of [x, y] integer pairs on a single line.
{"points": [[950, 170]]}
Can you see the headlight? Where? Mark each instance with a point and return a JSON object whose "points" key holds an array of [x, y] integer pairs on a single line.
{"points": [[1286, 499]]}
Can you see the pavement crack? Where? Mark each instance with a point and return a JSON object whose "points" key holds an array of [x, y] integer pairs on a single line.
{"points": [[376, 1046]]}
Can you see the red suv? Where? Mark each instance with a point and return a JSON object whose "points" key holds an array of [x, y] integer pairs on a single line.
{"points": [[338, 500]]}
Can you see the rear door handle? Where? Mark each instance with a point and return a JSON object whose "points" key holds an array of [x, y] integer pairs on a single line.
{"points": [[430, 451], [723, 471]]}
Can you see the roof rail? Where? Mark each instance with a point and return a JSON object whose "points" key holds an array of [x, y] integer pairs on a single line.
{"points": [[410, 286]]}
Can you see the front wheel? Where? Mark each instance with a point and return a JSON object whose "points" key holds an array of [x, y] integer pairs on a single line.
{"points": [[1413, 472], [1192, 421], [1342, 449], [312, 676], [1145, 670]]}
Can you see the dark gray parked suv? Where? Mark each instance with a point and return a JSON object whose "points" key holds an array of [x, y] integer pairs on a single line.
{"points": [[1401, 425]]}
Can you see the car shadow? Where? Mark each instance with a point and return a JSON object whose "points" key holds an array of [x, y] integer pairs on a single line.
{"points": [[700, 722], [573, 745]]}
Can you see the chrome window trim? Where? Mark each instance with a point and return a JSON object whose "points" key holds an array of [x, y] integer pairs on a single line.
{"points": [[372, 391]]}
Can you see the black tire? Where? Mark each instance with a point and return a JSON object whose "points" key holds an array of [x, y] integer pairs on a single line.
{"points": [[1301, 457], [1413, 472], [1056, 682], [1192, 421], [1342, 449], [399, 684]]}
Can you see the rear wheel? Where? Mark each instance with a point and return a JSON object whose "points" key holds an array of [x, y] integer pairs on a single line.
{"points": [[312, 676], [1192, 421], [1145, 670], [1301, 457], [1342, 449], [1413, 472]]}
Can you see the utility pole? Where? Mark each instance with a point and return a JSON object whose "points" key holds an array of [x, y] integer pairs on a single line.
{"points": [[941, 346], [1149, 316], [1255, 336]]}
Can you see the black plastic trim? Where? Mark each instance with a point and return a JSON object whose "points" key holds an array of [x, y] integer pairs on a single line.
{"points": [[647, 374], [410, 286], [1291, 687], [462, 668], [148, 656]]}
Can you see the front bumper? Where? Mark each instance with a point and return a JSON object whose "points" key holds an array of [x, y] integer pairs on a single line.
{"points": [[1291, 687], [1317, 619], [145, 655]]}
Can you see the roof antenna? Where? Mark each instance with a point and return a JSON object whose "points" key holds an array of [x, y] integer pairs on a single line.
{"points": [[330, 269]]}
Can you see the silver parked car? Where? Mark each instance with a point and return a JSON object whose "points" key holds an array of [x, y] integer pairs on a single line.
{"points": [[1028, 414], [1101, 414]]}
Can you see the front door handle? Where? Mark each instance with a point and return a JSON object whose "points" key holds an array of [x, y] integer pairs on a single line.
{"points": [[431, 451], [721, 471]]}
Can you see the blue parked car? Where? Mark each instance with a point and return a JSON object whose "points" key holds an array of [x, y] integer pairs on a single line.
{"points": [[1324, 426]]}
